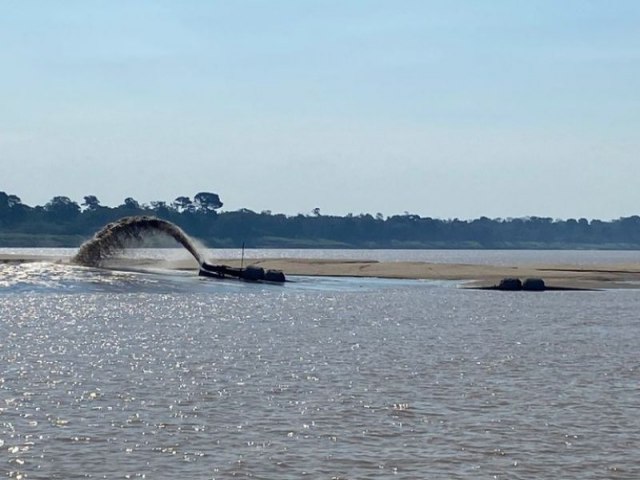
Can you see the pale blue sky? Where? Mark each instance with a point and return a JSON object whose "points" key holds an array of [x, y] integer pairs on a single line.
{"points": [[440, 108]]}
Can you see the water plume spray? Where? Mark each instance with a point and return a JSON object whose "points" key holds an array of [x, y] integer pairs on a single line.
{"points": [[130, 232]]}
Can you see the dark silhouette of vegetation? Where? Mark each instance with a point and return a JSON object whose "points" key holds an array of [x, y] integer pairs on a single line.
{"points": [[63, 222]]}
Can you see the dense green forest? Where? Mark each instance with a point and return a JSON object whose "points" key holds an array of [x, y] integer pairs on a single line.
{"points": [[62, 222]]}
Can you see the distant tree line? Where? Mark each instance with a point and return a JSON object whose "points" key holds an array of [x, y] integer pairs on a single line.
{"points": [[64, 222]]}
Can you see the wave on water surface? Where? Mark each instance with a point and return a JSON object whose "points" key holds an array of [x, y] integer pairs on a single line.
{"points": [[63, 278], [46, 277]]}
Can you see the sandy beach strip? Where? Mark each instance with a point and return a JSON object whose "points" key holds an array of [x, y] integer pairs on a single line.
{"points": [[472, 275]]}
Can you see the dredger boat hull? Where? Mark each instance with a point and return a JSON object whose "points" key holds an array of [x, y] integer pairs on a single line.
{"points": [[248, 274]]}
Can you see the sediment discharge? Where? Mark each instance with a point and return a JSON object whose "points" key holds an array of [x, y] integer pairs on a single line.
{"points": [[130, 232]]}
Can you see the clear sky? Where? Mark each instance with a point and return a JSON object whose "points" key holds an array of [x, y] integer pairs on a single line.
{"points": [[440, 108]]}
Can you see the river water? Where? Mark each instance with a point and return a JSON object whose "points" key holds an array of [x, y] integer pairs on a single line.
{"points": [[158, 374]]}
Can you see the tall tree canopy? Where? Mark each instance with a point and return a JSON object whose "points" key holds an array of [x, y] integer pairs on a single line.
{"points": [[207, 201], [91, 202], [62, 208]]}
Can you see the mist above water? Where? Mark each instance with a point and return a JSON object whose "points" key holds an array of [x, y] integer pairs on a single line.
{"points": [[130, 232]]}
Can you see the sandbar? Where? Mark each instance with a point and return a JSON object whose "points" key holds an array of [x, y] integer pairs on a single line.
{"points": [[469, 275], [605, 276]]}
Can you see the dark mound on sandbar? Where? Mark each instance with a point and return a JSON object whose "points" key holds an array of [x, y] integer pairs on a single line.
{"points": [[510, 284], [529, 285], [534, 285]]}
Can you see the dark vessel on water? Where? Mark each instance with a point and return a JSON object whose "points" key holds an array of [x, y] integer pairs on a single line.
{"points": [[248, 274]]}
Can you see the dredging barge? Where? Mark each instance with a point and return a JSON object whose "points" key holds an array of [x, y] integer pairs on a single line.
{"points": [[247, 274], [116, 236]]}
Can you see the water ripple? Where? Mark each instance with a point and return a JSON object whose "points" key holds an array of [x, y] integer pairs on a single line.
{"points": [[140, 375]]}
